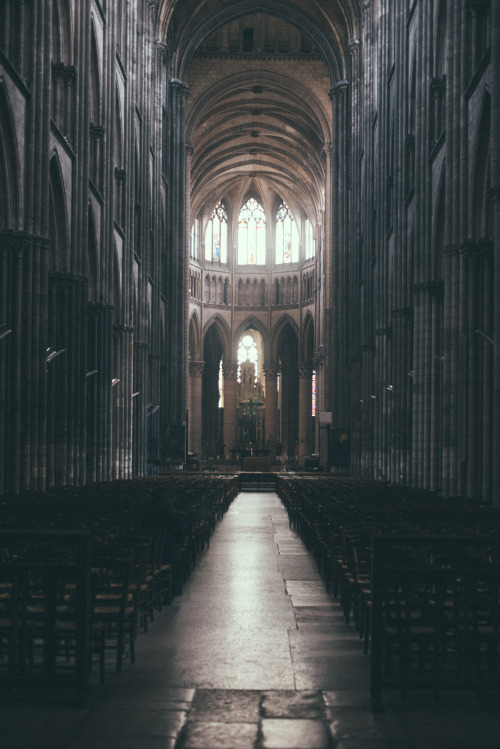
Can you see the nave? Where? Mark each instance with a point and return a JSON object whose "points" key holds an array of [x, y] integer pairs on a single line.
{"points": [[254, 654]]}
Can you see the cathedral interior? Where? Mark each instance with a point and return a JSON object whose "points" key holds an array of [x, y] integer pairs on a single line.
{"points": [[318, 179], [250, 235]]}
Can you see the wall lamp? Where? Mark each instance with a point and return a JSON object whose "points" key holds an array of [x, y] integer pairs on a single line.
{"points": [[4, 333], [52, 354]]}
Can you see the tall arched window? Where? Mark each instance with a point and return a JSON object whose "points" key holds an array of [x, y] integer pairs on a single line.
{"points": [[252, 234], [216, 235], [287, 236], [247, 351]]}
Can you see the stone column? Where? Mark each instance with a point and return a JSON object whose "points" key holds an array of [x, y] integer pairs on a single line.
{"points": [[271, 375], [318, 365], [305, 447], [175, 247], [495, 187], [230, 374], [195, 381]]}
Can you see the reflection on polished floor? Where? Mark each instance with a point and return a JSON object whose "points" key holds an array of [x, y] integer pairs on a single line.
{"points": [[253, 655]]}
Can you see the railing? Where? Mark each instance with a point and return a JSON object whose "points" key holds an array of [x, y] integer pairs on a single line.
{"points": [[257, 482]]}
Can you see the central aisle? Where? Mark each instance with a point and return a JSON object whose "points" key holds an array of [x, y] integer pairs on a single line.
{"points": [[254, 614], [253, 655]]}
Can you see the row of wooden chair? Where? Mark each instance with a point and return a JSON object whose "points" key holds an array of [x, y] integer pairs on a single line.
{"points": [[79, 585], [427, 607]]}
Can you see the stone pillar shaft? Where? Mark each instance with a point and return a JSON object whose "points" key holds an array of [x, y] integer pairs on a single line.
{"points": [[230, 372], [305, 405], [195, 391], [271, 375]]}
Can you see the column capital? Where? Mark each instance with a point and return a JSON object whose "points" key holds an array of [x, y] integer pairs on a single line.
{"points": [[176, 83], [271, 370], [318, 359], [353, 46], [230, 371], [339, 88], [196, 368], [305, 369]]}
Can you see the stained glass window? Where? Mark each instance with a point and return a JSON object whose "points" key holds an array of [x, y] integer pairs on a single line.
{"points": [[247, 351], [287, 236], [313, 399], [252, 234], [216, 235]]}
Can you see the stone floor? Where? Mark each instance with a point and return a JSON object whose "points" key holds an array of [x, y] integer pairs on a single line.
{"points": [[253, 655]]}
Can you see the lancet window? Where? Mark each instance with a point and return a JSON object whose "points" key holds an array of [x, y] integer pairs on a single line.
{"points": [[216, 235], [252, 234], [287, 236]]}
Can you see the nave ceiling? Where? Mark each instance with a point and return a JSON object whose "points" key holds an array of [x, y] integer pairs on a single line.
{"points": [[256, 122]]}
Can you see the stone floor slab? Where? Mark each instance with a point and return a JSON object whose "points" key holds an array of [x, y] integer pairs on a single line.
{"points": [[294, 734], [293, 704], [229, 706], [218, 736]]}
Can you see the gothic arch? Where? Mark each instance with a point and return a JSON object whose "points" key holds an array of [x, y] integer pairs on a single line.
{"points": [[307, 343], [251, 322], [10, 204], [331, 49], [58, 219], [194, 338], [220, 326], [282, 323]]}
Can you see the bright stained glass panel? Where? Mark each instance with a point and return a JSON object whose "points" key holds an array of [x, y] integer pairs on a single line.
{"points": [[216, 235], [287, 236], [252, 234]]}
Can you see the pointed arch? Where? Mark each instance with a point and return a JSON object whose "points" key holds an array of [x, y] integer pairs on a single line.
{"points": [[247, 324], [222, 329], [58, 218], [195, 337], [10, 204], [307, 342], [283, 323]]}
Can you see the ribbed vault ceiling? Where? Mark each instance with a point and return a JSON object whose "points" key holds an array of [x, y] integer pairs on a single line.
{"points": [[253, 121]]}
